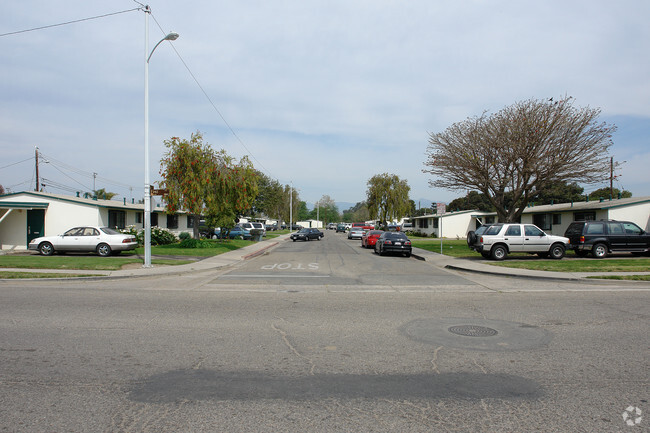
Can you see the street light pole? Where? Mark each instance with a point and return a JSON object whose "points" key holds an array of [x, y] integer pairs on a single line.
{"points": [[147, 183]]}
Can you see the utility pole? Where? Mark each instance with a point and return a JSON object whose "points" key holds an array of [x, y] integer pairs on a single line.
{"points": [[611, 178], [291, 207], [36, 159]]}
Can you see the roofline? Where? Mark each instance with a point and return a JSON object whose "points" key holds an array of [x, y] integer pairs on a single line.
{"points": [[106, 204]]}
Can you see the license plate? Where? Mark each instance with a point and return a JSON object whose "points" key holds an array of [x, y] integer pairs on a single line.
{"points": [[398, 243]]}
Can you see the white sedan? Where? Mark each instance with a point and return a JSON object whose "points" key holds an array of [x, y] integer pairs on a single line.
{"points": [[103, 240]]}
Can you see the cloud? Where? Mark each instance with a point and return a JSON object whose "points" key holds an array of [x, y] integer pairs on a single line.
{"points": [[354, 87]]}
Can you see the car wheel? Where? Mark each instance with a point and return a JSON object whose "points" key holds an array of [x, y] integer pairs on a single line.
{"points": [[46, 249], [599, 251], [103, 250], [381, 251], [557, 252], [293, 240], [499, 252], [407, 255]]}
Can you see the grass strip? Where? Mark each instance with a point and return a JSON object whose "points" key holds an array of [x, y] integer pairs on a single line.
{"points": [[622, 277], [77, 262], [578, 265], [16, 275]]}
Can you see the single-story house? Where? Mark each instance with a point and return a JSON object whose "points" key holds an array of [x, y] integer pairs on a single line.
{"points": [[555, 218], [552, 218], [28, 215], [452, 224], [310, 224]]}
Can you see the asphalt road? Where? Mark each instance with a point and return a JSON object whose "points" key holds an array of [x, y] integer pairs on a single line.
{"points": [[323, 336]]}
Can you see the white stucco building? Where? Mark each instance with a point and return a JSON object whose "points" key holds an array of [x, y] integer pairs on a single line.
{"points": [[28, 215]]}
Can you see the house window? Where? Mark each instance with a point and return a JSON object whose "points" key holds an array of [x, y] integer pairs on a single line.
{"points": [[557, 219], [584, 216], [172, 221], [435, 223], [117, 219], [543, 221], [190, 221], [423, 223], [154, 219], [138, 218], [489, 220]]}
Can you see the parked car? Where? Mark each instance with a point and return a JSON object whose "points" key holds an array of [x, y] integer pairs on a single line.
{"points": [[331, 226], [393, 242], [500, 239], [237, 232], [406, 227], [356, 232], [341, 228], [307, 234], [369, 239], [102, 240], [604, 237], [365, 226]]}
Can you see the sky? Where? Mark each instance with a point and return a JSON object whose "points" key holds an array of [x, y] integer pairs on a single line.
{"points": [[322, 95]]}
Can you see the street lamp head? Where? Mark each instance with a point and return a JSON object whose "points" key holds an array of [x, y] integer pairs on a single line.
{"points": [[172, 36]]}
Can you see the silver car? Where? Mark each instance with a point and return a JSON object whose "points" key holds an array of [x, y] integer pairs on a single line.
{"points": [[499, 240], [356, 233], [102, 240]]}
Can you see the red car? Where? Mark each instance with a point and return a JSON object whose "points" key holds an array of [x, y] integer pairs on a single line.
{"points": [[369, 239]]}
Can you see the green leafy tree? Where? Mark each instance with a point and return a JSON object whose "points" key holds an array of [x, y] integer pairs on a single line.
{"points": [[357, 213], [605, 193], [204, 182], [514, 154], [387, 197], [303, 212], [326, 210]]}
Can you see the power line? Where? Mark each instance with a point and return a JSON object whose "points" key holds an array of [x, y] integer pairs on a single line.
{"points": [[68, 22], [16, 163]]}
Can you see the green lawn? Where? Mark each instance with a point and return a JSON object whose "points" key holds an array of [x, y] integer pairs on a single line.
{"points": [[93, 262], [76, 262]]}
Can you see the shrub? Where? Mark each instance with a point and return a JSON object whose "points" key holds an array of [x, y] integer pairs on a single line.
{"points": [[159, 236], [184, 235], [189, 243]]}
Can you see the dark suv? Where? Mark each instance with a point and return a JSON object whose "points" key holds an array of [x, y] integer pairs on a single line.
{"points": [[603, 237]]}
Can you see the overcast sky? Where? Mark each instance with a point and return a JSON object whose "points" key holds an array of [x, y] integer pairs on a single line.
{"points": [[324, 94]]}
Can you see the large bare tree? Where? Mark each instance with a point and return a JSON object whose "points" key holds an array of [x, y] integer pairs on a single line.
{"points": [[512, 155]]}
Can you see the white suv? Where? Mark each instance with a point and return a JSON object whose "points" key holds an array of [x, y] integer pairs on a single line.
{"points": [[501, 239]]}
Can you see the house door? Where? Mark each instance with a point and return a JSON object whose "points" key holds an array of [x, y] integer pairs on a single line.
{"points": [[35, 224]]}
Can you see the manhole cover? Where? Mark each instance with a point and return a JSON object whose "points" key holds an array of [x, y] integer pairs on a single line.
{"points": [[473, 331], [459, 332]]}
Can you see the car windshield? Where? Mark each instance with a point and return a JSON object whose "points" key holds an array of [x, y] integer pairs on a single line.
{"points": [[304, 231], [395, 236], [110, 231]]}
